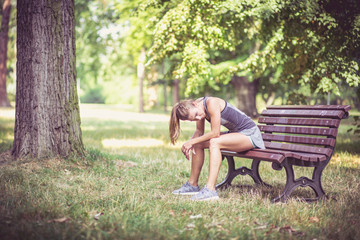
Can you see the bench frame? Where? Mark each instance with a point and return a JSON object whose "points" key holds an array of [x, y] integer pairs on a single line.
{"points": [[286, 159]]}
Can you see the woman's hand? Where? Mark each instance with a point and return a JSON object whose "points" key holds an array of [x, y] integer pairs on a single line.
{"points": [[186, 149]]}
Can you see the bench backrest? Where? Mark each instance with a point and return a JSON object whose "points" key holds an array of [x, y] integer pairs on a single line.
{"points": [[302, 128]]}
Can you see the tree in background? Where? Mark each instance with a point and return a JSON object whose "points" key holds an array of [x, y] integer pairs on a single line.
{"points": [[137, 37], [92, 46], [4, 37], [47, 119], [300, 43]]}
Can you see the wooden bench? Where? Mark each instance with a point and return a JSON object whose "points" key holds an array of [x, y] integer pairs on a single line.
{"points": [[293, 136]]}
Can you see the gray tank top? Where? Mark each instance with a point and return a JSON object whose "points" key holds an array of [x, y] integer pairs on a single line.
{"points": [[232, 118]]}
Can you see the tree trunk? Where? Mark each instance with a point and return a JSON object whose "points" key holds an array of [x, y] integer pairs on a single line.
{"points": [[47, 121], [176, 94], [165, 96], [246, 95], [141, 76], [4, 37]]}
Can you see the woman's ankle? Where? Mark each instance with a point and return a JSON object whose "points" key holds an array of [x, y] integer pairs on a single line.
{"points": [[193, 183]]}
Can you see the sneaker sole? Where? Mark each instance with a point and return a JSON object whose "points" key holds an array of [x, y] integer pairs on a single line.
{"points": [[186, 194], [215, 198]]}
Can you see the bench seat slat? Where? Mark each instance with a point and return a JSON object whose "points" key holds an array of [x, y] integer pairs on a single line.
{"points": [[301, 121], [337, 114], [330, 132], [298, 155], [298, 148], [273, 157], [345, 108], [299, 139]]}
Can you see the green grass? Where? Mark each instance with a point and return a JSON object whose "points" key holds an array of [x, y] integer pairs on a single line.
{"points": [[126, 181]]}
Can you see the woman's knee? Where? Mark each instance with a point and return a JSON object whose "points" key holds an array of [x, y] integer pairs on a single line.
{"points": [[214, 143], [200, 146]]}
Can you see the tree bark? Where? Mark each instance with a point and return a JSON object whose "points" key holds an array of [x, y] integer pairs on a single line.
{"points": [[47, 121], [246, 95], [4, 37]]}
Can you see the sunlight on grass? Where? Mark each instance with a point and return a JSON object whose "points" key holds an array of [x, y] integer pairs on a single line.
{"points": [[8, 136], [7, 113], [345, 158], [119, 143]]}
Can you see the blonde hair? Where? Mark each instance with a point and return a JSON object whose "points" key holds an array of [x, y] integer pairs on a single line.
{"points": [[179, 112]]}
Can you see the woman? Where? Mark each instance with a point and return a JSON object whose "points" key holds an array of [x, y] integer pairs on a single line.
{"points": [[243, 135]]}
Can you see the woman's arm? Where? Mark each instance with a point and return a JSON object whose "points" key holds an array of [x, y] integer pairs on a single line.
{"points": [[214, 109], [200, 128]]}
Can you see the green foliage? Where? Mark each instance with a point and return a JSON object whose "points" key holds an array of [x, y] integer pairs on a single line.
{"points": [[138, 24], [91, 18], [313, 43], [93, 95], [102, 59]]}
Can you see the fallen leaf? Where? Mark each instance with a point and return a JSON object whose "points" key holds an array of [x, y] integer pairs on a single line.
{"points": [[97, 216], [291, 231], [60, 220], [122, 163], [261, 227], [240, 219], [286, 229], [314, 219], [195, 216], [272, 227], [215, 224], [190, 226], [184, 213], [172, 213]]}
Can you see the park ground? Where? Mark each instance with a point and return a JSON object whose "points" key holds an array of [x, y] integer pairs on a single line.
{"points": [[122, 189]]}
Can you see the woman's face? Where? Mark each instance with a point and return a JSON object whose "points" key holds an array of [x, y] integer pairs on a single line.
{"points": [[196, 113]]}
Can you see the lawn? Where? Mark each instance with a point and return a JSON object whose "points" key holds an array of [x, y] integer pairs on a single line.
{"points": [[122, 189]]}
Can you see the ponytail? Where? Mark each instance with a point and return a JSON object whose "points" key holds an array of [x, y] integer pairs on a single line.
{"points": [[174, 125], [179, 112]]}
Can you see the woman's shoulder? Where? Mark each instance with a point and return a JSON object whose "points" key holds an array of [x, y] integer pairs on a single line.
{"points": [[200, 99], [216, 102]]}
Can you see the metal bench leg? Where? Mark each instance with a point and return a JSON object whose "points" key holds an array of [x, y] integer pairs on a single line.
{"points": [[232, 173], [254, 173], [292, 184], [318, 189]]}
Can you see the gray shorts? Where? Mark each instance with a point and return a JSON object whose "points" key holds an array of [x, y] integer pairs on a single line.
{"points": [[255, 137]]}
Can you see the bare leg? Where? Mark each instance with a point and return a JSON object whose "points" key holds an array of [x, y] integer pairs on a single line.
{"points": [[197, 162], [236, 142]]}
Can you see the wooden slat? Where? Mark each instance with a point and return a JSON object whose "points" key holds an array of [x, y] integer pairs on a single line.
{"points": [[298, 155], [345, 108], [330, 132], [276, 155], [272, 157], [301, 121], [300, 139], [337, 114], [298, 148]]}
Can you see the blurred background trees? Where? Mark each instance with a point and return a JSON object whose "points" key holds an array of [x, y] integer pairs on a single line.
{"points": [[4, 39], [252, 53]]}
